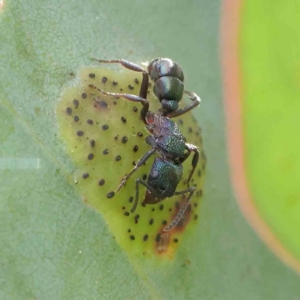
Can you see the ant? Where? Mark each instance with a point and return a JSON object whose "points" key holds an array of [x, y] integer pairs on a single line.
{"points": [[165, 138]]}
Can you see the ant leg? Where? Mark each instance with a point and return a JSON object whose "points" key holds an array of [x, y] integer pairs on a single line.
{"points": [[137, 182], [125, 63], [143, 94], [192, 148], [144, 158], [196, 101], [129, 97], [142, 98], [133, 67], [182, 209]]}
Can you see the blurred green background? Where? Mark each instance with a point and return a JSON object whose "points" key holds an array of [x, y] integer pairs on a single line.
{"points": [[53, 245]]}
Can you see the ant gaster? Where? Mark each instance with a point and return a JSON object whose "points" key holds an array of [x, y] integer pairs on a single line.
{"points": [[165, 138]]}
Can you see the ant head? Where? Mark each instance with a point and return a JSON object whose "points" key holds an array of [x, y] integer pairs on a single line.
{"points": [[168, 106]]}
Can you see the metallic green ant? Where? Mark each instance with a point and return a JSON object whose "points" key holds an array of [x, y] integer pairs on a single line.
{"points": [[165, 138]]}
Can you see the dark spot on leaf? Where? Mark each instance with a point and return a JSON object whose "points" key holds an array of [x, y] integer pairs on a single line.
{"points": [[90, 156], [145, 238], [132, 237], [83, 95], [80, 133], [151, 221], [123, 119], [101, 182], [126, 213], [199, 193], [144, 176], [130, 87], [135, 148], [136, 81], [124, 139], [164, 222], [92, 75], [105, 151], [130, 199], [175, 240], [105, 127], [89, 121], [85, 175], [140, 134], [92, 143], [135, 109], [103, 104], [136, 219], [114, 83], [104, 79], [118, 158], [76, 103], [161, 207], [110, 194], [76, 119], [69, 111], [158, 237]]}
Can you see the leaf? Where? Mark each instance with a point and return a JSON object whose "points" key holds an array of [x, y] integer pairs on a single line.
{"points": [[54, 246], [272, 120]]}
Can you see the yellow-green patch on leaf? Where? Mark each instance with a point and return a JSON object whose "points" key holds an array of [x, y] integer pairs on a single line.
{"points": [[105, 137]]}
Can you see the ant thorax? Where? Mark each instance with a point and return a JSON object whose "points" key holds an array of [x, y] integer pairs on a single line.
{"points": [[169, 140], [161, 126]]}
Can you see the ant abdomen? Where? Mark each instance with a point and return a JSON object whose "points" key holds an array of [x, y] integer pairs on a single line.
{"points": [[168, 88], [168, 82], [160, 67]]}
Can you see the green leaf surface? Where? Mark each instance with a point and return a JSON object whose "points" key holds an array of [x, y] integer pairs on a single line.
{"points": [[54, 246], [270, 68]]}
